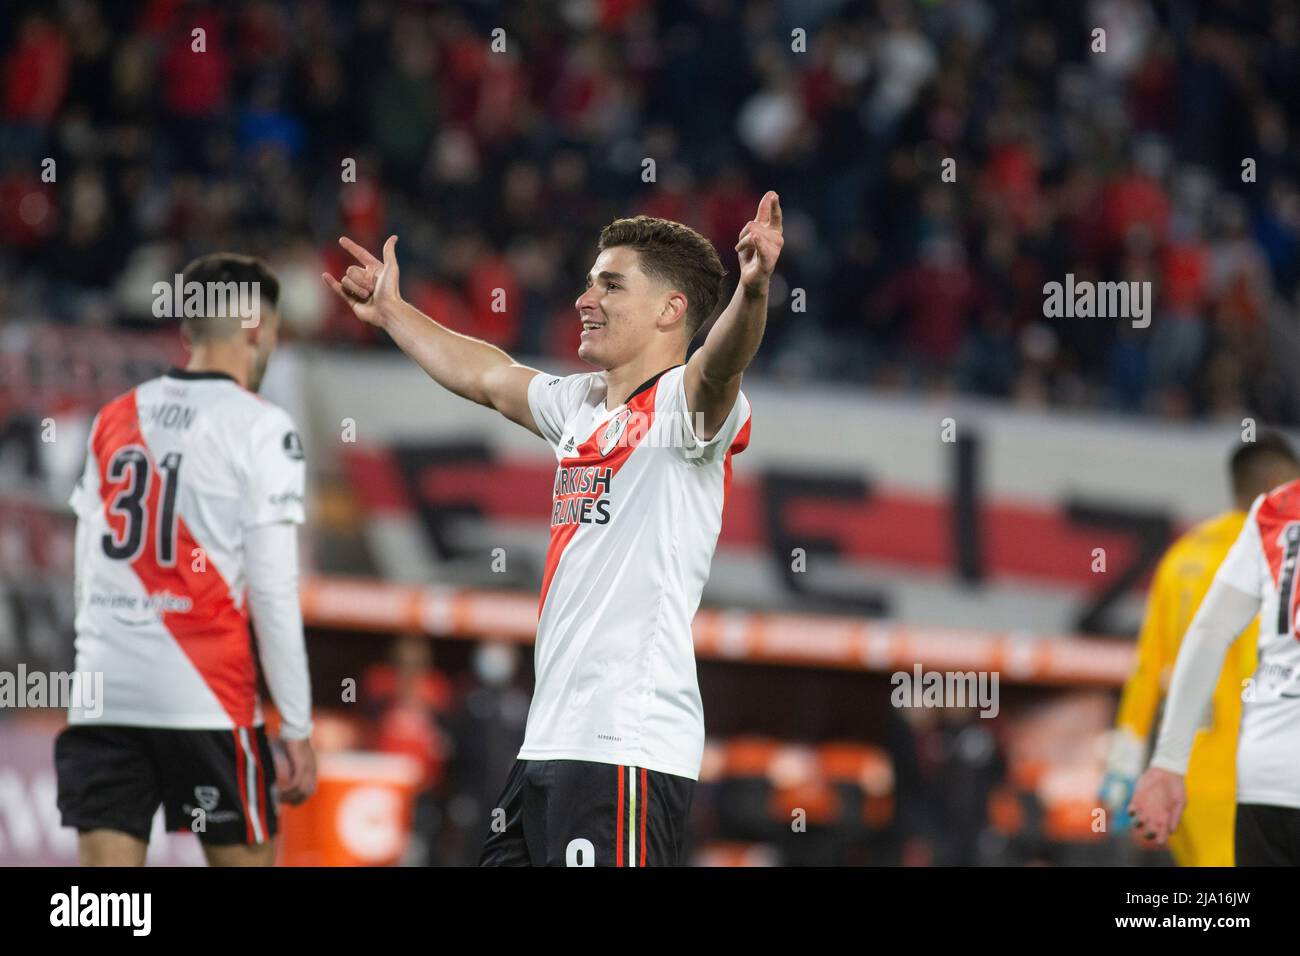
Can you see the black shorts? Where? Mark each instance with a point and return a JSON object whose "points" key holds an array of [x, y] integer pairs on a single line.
{"points": [[579, 813], [1267, 836], [217, 783]]}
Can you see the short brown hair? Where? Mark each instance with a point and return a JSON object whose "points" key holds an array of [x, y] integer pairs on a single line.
{"points": [[674, 254], [1250, 463], [222, 268]]}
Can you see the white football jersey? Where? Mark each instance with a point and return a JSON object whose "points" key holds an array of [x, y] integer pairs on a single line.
{"points": [[636, 510], [1262, 562], [177, 469]]}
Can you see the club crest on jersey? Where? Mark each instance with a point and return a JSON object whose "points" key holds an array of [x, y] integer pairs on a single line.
{"points": [[614, 431], [207, 797]]}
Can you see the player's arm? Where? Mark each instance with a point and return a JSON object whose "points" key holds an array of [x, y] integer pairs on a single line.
{"points": [[466, 366], [271, 556], [1224, 614], [275, 475], [1160, 796], [712, 377], [1141, 696], [271, 553]]}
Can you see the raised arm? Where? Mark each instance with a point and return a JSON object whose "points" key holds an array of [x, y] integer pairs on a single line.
{"points": [[712, 377], [469, 367]]}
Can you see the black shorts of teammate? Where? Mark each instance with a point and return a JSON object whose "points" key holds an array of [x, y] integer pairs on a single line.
{"points": [[1267, 836], [114, 778], [580, 813]]}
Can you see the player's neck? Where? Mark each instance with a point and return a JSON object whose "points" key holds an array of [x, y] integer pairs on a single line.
{"points": [[621, 382], [220, 357]]}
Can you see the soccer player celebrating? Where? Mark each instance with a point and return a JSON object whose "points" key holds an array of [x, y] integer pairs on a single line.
{"points": [[188, 503], [1258, 575], [615, 731], [1204, 834]]}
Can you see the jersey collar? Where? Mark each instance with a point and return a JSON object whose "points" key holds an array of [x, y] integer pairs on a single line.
{"points": [[184, 373], [649, 382]]}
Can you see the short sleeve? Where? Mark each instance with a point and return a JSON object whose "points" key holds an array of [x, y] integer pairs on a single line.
{"points": [[553, 400], [1244, 567], [673, 409], [276, 472]]}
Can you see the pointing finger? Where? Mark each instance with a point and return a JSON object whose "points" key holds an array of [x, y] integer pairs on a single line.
{"points": [[361, 255]]}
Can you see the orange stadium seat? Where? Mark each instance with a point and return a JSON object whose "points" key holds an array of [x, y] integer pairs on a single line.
{"points": [[816, 799], [864, 775]]}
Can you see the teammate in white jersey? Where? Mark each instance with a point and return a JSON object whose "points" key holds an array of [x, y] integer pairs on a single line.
{"points": [[615, 732], [1258, 575], [186, 520]]}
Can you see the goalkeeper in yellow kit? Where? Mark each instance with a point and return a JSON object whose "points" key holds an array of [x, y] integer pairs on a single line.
{"points": [[1204, 834]]}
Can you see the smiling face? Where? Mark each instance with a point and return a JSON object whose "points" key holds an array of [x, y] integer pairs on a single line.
{"points": [[623, 309]]}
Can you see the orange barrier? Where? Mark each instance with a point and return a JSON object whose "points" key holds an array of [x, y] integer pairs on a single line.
{"points": [[360, 814], [745, 636]]}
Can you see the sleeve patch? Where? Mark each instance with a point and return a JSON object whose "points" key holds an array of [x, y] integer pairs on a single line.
{"points": [[292, 445]]}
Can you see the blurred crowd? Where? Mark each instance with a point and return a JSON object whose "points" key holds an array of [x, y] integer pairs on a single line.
{"points": [[497, 138]]}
